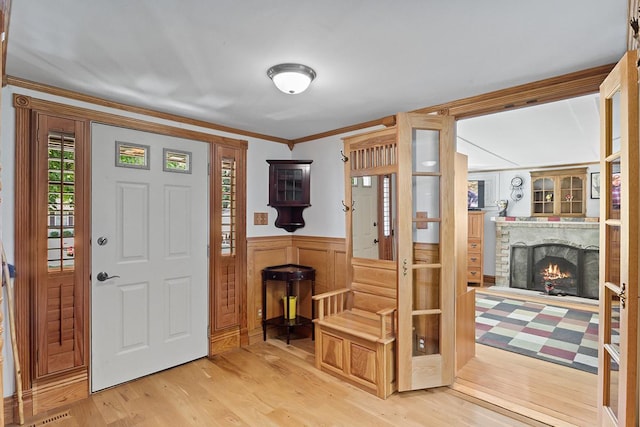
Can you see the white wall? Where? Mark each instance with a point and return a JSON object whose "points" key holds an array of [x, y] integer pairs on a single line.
{"points": [[7, 153], [258, 185], [497, 187], [325, 216]]}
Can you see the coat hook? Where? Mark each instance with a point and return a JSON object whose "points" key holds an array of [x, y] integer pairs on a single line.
{"points": [[344, 158], [345, 208], [635, 27]]}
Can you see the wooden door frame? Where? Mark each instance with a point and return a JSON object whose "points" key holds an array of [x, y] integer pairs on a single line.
{"points": [[73, 385]]}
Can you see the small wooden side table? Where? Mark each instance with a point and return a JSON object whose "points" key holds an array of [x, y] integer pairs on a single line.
{"points": [[288, 273]]}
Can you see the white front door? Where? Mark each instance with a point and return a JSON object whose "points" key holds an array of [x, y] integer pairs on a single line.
{"points": [[365, 217], [149, 237]]}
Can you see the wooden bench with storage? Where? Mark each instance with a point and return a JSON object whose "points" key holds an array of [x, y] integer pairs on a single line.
{"points": [[355, 331]]}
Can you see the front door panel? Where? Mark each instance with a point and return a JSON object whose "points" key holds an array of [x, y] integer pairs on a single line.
{"points": [[149, 238]]}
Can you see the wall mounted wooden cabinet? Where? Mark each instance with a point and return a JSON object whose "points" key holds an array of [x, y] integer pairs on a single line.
{"points": [[559, 192], [289, 191]]}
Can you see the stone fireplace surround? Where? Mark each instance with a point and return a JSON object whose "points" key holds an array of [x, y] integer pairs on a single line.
{"points": [[579, 232]]}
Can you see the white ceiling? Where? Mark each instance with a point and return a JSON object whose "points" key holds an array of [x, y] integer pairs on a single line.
{"points": [[562, 132], [207, 59]]}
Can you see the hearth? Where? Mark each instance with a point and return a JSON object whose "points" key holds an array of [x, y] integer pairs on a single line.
{"points": [[555, 268]]}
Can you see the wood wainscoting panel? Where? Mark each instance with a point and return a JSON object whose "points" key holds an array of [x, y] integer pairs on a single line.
{"points": [[262, 252], [327, 255], [319, 253]]}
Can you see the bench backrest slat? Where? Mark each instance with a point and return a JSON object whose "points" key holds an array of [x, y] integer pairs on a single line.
{"points": [[374, 287]]}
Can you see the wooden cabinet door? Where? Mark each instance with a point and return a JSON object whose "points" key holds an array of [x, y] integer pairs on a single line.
{"points": [[619, 247], [426, 290]]}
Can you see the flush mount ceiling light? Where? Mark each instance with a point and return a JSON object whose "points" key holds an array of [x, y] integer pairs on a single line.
{"points": [[291, 78]]}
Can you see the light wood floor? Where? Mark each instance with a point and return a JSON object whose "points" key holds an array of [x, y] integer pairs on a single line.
{"points": [[267, 384], [546, 391], [272, 384]]}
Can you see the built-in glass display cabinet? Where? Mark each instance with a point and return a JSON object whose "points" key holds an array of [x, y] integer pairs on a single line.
{"points": [[558, 192]]}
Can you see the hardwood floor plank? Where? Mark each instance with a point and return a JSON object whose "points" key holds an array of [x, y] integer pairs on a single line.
{"points": [[267, 385]]}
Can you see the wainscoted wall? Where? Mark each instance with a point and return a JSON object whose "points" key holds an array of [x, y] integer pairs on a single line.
{"points": [[326, 254]]}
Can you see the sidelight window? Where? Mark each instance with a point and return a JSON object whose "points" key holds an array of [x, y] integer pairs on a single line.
{"points": [[61, 202], [228, 189]]}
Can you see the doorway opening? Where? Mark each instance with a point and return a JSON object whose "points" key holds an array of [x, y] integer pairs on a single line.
{"points": [[508, 145]]}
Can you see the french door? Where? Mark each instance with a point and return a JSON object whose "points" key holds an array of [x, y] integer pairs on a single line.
{"points": [[426, 256], [619, 245]]}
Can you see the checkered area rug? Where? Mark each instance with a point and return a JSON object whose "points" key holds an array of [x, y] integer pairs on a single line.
{"points": [[565, 336]]}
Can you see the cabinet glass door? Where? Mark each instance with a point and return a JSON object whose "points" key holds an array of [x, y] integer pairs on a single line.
{"points": [[426, 286], [543, 192]]}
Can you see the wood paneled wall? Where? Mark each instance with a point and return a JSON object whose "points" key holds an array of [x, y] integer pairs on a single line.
{"points": [[327, 255]]}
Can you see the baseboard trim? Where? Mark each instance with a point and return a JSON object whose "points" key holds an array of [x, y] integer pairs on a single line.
{"points": [[224, 341], [8, 409]]}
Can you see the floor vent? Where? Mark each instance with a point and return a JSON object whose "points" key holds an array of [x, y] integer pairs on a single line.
{"points": [[50, 419]]}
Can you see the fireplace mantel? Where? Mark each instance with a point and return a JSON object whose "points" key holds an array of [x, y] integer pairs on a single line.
{"points": [[552, 221], [579, 232]]}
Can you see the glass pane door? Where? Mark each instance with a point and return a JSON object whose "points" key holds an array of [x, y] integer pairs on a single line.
{"points": [[619, 164], [426, 257]]}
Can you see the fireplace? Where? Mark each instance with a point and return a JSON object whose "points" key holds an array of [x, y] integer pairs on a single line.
{"points": [[555, 268]]}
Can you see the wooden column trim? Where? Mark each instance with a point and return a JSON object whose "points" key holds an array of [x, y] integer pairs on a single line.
{"points": [[23, 235]]}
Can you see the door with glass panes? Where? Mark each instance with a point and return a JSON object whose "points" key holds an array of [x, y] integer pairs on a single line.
{"points": [[426, 257], [619, 246]]}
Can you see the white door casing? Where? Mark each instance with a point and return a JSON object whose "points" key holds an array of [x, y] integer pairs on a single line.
{"points": [[155, 314]]}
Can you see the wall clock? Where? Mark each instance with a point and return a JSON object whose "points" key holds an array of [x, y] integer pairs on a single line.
{"points": [[516, 181], [516, 188]]}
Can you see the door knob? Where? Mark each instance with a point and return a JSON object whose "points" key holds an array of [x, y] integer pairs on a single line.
{"points": [[376, 241], [103, 275]]}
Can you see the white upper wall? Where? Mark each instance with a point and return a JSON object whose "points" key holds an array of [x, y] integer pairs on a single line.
{"points": [[258, 185]]}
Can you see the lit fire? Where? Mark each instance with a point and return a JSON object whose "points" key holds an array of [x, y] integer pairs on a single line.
{"points": [[553, 273]]}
